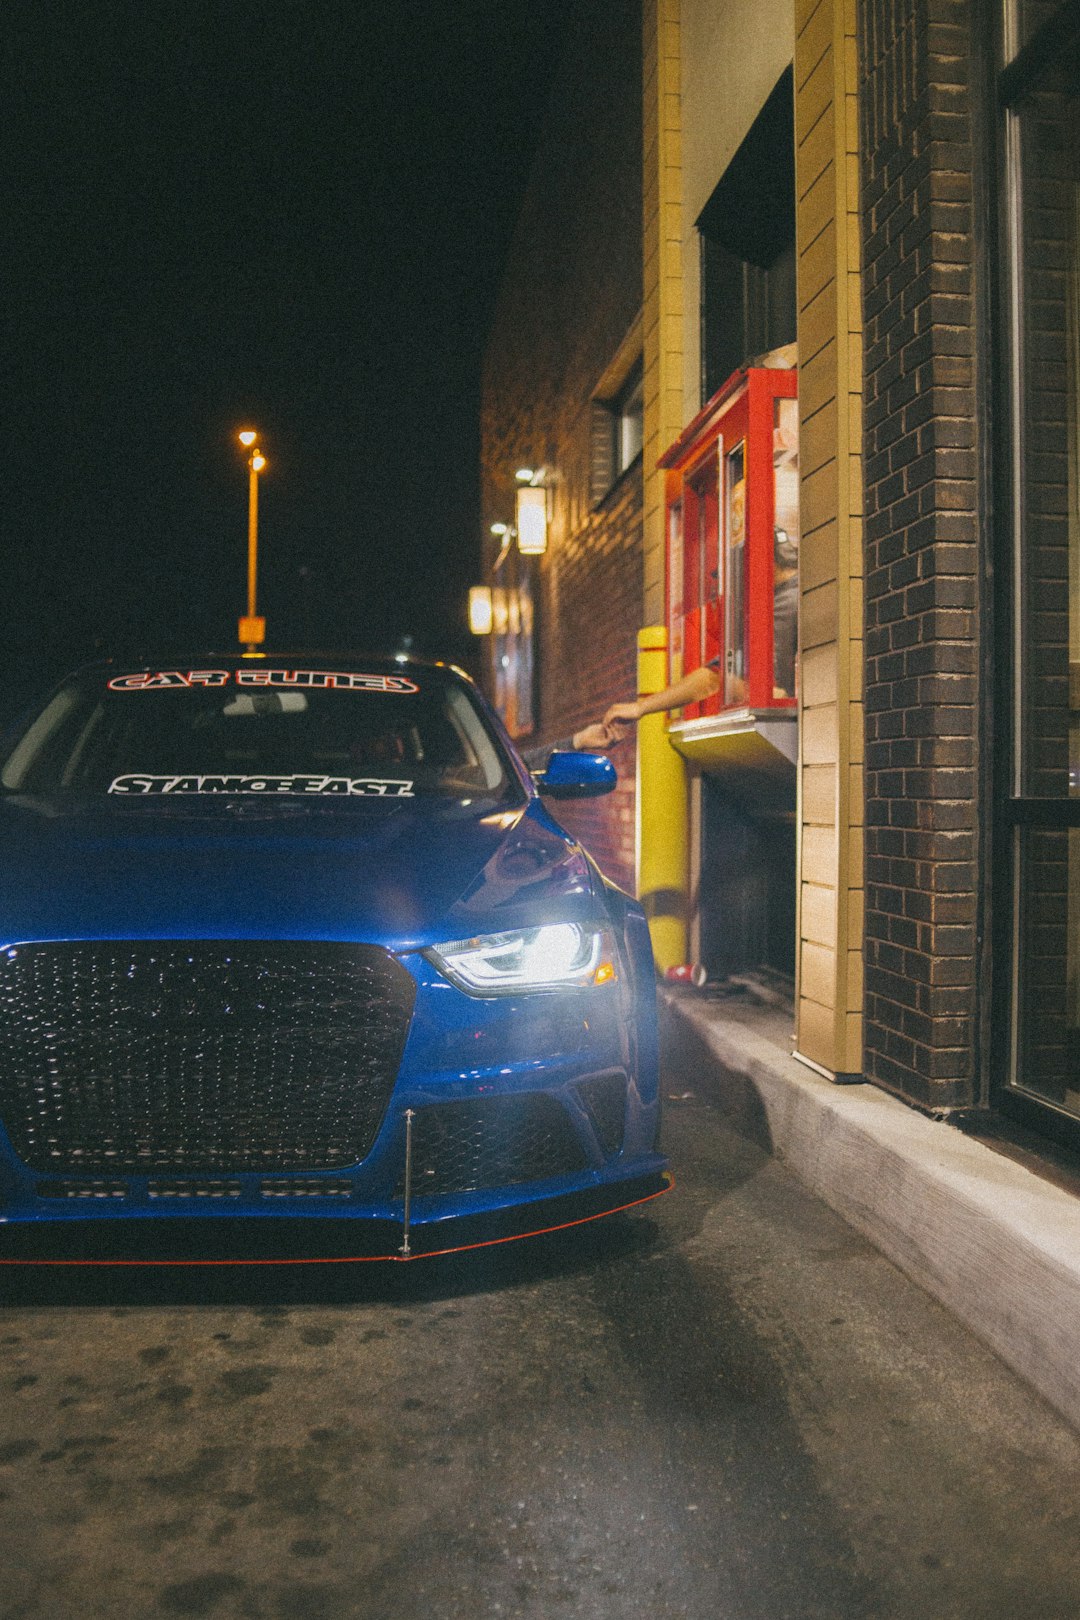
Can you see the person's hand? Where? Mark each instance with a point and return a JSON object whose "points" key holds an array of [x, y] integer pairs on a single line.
{"points": [[622, 714], [597, 736], [592, 737]]}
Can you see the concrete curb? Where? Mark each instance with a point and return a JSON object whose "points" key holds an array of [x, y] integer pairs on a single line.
{"points": [[995, 1243]]}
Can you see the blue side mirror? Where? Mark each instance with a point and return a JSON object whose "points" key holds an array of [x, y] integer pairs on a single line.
{"points": [[576, 776]]}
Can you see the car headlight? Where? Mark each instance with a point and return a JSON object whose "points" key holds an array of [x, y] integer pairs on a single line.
{"points": [[555, 956]]}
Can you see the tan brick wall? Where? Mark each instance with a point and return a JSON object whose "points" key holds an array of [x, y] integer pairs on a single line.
{"points": [[829, 1029], [661, 192]]}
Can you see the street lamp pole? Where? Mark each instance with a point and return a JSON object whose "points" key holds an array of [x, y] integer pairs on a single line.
{"points": [[252, 629]]}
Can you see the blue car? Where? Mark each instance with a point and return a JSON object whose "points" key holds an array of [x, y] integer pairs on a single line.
{"points": [[287, 936]]}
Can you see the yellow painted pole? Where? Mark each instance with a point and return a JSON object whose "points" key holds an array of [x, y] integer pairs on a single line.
{"points": [[662, 843]]}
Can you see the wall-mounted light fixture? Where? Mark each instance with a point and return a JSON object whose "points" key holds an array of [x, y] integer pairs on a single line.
{"points": [[531, 520], [480, 612]]}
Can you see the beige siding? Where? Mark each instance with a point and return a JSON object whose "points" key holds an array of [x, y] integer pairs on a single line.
{"points": [[829, 1026]]}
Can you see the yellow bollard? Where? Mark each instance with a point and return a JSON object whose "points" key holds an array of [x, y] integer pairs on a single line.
{"points": [[661, 831]]}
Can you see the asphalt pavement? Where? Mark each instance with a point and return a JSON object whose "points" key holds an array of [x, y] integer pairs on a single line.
{"points": [[727, 1406]]}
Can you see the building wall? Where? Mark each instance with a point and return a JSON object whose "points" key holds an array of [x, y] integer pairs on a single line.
{"points": [[922, 550], [662, 273], [719, 60], [592, 609], [830, 911], [731, 57], [566, 330]]}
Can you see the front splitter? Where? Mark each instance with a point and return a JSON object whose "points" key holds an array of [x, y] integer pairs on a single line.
{"points": [[180, 1242]]}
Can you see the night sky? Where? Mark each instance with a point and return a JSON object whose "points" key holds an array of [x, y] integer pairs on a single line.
{"points": [[288, 214]]}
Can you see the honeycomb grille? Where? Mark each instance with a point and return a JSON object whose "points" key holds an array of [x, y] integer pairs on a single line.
{"points": [[495, 1142], [81, 1189], [206, 1057], [604, 1097]]}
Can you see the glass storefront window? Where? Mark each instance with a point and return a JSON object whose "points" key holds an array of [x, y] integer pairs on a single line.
{"points": [[1047, 1056], [1025, 20], [1039, 91], [1046, 146]]}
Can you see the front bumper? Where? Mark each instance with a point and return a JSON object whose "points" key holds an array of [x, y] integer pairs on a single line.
{"points": [[504, 1113]]}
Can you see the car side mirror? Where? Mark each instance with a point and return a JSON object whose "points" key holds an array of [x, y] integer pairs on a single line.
{"points": [[576, 776]]}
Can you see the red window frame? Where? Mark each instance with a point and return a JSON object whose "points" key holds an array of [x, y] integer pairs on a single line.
{"points": [[697, 467]]}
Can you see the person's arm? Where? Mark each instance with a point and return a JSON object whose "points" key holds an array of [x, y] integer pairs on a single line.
{"points": [[693, 688], [593, 737]]}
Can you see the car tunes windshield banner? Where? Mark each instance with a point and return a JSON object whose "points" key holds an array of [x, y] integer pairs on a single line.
{"points": [[354, 786], [279, 679]]}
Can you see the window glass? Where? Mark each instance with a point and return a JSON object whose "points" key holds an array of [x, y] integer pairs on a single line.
{"points": [[785, 546], [1046, 148], [1047, 1059], [676, 606], [1023, 20], [735, 529], [193, 736], [617, 434], [630, 422], [1042, 142]]}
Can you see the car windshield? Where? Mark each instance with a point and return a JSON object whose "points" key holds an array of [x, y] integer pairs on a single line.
{"points": [[297, 732]]}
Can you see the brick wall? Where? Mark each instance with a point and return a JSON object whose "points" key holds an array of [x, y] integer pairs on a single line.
{"points": [[922, 548], [590, 616], [569, 297]]}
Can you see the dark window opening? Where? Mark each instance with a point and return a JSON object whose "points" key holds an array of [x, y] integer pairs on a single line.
{"points": [[617, 433], [748, 885], [747, 233]]}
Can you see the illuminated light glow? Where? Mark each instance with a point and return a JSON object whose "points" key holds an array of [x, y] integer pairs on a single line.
{"points": [[247, 437], [525, 475], [500, 528], [554, 956], [532, 521], [252, 629], [481, 610], [258, 462]]}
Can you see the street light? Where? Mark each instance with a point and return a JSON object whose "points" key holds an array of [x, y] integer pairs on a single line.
{"points": [[252, 629]]}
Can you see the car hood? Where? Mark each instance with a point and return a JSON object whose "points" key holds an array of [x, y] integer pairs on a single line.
{"points": [[400, 875]]}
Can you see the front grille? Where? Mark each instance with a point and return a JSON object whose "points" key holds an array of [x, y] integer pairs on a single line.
{"points": [[493, 1142], [206, 1057], [82, 1189], [604, 1097], [290, 1187], [295, 1188], [194, 1189]]}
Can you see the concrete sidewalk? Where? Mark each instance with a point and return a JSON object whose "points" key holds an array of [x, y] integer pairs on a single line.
{"points": [[997, 1242]]}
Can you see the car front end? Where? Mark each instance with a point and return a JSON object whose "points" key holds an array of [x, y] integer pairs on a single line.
{"points": [[232, 987]]}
